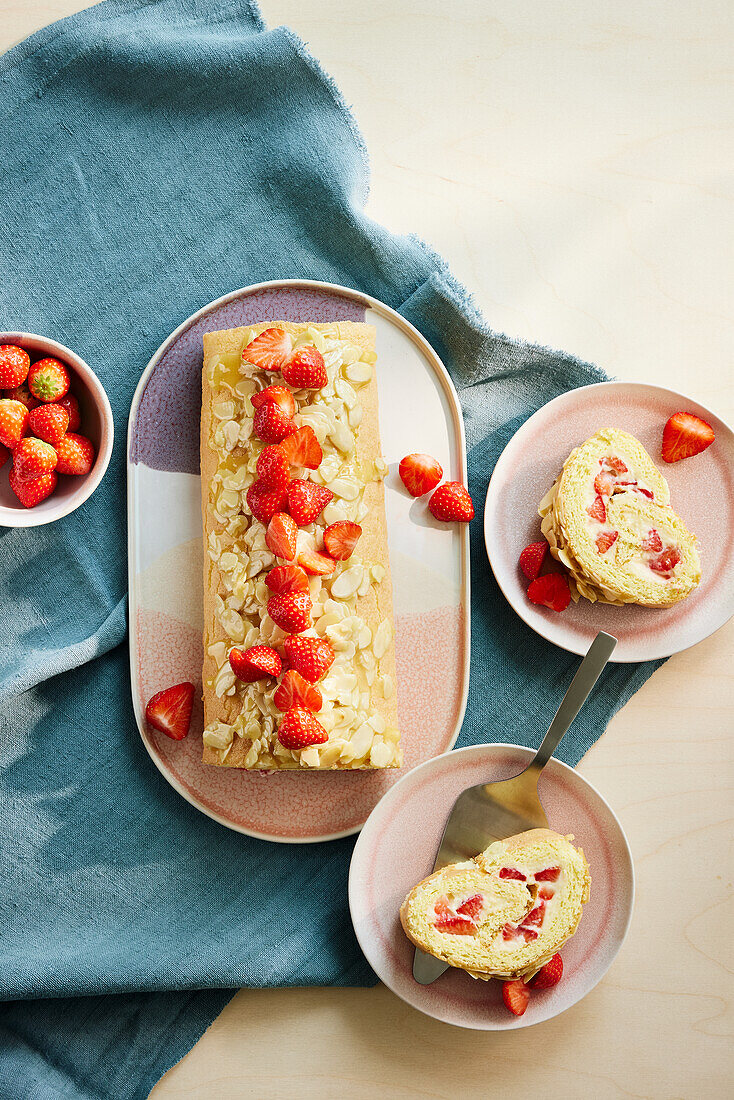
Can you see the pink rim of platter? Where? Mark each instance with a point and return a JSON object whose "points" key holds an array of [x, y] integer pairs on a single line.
{"points": [[429, 562], [398, 845], [701, 490]]}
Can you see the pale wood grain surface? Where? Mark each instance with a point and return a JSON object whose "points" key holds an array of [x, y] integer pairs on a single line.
{"points": [[573, 162]]}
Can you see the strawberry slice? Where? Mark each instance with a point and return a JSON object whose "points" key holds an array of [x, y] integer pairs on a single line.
{"points": [[275, 395], [550, 590], [545, 893], [509, 932], [294, 691], [667, 561], [307, 500], [291, 611], [516, 996], [645, 492], [606, 540], [419, 474], [532, 558], [254, 663], [303, 448], [282, 535], [613, 464], [451, 502], [312, 657], [447, 921], [472, 907], [604, 485], [169, 711], [270, 350], [299, 729], [512, 872], [264, 502], [340, 538], [306, 370], [550, 874], [535, 916], [315, 563], [272, 467], [685, 435], [271, 424], [549, 975], [528, 934], [597, 510], [287, 578], [652, 541]]}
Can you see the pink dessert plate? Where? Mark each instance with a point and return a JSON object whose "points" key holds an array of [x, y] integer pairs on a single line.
{"points": [[701, 491], [398, 845], [429, 563]]}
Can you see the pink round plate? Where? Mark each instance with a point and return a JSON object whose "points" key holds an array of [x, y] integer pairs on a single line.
{"points": [[701, 491], [398, 845], [429, 563]]}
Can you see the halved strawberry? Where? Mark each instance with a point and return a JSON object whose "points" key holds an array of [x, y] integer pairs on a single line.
{"points": [[451, 502], [667, 561], [340, 538], [305, 370], [550, 590], [287, 578], [548, 975], [597, 510], [652, 541], [264, 502], [312, 657], [275, 395], [532, 558], [294, 691], [516, 996], [303, 448], [512, 872], [299, 729], [282, 535], [306, 500], [254, 663], [685, 435], [170, 710], [291, 611], [272, 467], [270, 350], [419, 474], [606, 540], [31, 493], [550, 874], [271, 424], [316, 563]]}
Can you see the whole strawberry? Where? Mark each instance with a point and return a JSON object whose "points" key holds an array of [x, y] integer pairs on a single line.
{"points": [[75, 454], [14, 364], [13, 422], [273, 467], [23, 394], [264, 502], [48, 380], [452, 502], [299, 729], [254, 663], [49, 422], [31, 493], [4, 455], [271, 424], [291, 611], [305, 369], [33, 458]]}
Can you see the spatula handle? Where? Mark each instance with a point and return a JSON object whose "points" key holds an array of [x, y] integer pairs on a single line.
{"points": [[579, 689]]}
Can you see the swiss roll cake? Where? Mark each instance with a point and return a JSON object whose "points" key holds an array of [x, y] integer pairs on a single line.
{"points": [[608, 520], [505, 913]]}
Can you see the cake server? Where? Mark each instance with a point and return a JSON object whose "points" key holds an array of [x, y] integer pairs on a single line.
{"points": [[492, 811]]}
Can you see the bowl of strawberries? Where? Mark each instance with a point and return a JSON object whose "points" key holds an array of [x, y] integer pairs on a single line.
{"points": [[56, 430]]}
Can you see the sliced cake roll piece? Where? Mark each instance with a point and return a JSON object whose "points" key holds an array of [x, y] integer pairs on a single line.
{"points": [[505, 913], [608, 519]]}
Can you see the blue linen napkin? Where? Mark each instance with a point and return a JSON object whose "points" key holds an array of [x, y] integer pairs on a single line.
{"points": [[156, 155]]}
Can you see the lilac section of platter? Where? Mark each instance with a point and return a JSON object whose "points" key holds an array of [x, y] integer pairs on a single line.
{"points": [[165, 435]]}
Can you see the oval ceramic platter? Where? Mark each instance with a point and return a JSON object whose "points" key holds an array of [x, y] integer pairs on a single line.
{"points": [[429, 562], [701, 492], [398, 845]]}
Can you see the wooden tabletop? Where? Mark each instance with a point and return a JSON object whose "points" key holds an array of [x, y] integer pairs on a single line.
{"points": [[569, 161]]}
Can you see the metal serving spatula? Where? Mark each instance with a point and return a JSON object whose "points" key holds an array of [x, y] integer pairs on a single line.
{"points": [[493, 811]]}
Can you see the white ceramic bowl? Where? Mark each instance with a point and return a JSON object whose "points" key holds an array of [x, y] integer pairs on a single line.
{"points": [[97, 425]]}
